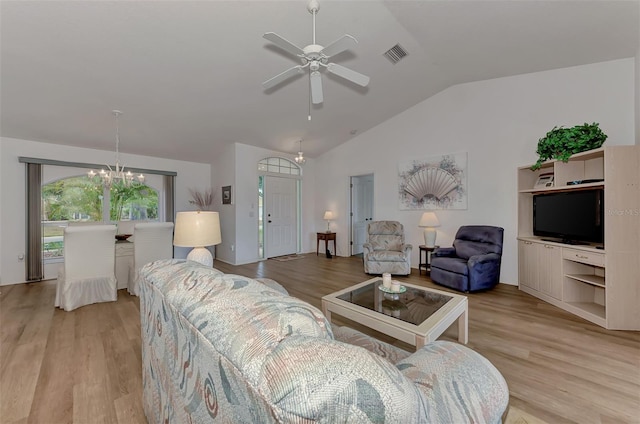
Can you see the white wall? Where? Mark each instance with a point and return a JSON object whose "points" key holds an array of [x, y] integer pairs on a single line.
{"points": [[238, 167], [223, 175], [498, 122], [1, 214], [637, 91], [12, 187]]}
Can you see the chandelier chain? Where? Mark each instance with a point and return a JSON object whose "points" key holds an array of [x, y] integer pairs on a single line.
{"points": [[107, 178]]}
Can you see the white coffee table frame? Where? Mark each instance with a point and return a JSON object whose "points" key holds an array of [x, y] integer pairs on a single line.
{"points": [[417, 335]]}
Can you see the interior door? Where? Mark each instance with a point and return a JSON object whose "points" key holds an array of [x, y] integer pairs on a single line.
{"points": [[281, 216], [361, 210]]}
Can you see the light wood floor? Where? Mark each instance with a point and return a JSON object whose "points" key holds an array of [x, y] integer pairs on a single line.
{"points": [[84, 366]]}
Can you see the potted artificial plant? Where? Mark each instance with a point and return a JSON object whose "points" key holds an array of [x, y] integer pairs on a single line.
{"points": [[560, 143]]}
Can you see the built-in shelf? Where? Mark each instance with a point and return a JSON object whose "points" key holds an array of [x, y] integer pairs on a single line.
{"points": [[563, 188], [594, 280], [597, 285], [590, 308]]}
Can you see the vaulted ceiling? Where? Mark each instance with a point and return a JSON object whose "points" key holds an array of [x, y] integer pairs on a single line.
{"points": [[188, 75]]}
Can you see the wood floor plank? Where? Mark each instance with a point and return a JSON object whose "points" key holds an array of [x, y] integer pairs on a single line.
{"points": [[86, 363], [129, 409], [53, 399], [19, 381], [93, 404]]}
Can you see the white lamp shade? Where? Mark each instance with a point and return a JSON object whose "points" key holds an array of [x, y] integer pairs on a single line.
{"points": [[429, 219], [328, 215], [197, 229]]}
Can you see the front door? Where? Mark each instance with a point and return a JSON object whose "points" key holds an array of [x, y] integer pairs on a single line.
{"points": [[281, 216]]}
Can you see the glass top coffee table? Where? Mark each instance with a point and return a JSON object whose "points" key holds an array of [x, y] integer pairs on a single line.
{"points": [[417, 316]]}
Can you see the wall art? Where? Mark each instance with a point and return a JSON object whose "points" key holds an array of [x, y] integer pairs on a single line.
{"points": [[436, 182], [226, 195]]}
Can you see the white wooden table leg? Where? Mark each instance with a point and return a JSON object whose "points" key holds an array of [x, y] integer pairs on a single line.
{"points": [[326, 311], [463, 327]]}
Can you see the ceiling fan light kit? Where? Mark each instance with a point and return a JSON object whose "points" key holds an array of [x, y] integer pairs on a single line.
{"points": [[315, 57], [300, 159]]}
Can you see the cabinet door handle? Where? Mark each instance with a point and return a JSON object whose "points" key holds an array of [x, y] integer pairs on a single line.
{"points": [[527, 242], [548, 247], [581, 256]]}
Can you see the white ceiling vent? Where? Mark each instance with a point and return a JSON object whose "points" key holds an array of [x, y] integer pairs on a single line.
{"points": [[395, 53]]}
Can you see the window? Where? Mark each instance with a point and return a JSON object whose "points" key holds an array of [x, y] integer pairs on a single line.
{"points": [[279, 166], [79, 199]]}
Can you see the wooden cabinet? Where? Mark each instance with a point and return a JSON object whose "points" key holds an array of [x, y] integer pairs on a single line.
{"points": [[528, 264], [550, 266], [598, 283], [540, 267]]}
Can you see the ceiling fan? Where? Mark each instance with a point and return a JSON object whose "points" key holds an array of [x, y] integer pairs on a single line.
{"points": [[315, 57]]}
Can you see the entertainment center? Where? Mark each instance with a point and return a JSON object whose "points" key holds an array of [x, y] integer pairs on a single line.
{"points": [[597, 198]]}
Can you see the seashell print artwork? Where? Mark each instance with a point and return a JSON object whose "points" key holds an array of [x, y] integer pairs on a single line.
{"points": [[431, 181], [438, 182]]}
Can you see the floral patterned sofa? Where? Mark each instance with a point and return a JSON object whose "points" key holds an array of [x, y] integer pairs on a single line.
{"points": [[227, 348]]}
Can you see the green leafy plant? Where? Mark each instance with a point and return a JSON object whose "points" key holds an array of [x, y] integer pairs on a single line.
{"points": [[560, 143]]}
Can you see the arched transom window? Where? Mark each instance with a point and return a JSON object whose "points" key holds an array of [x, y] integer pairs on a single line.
{"points": [[279, 166]]}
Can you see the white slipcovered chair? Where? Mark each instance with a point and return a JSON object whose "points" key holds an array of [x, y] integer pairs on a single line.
{"points": [[88, 275], [154, 241]]}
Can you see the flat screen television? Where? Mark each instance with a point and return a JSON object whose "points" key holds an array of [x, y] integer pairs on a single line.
{"points": [[573, 217]]}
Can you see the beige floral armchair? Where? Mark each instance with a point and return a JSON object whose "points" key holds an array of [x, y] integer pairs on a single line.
{"points": [[385, 249]]}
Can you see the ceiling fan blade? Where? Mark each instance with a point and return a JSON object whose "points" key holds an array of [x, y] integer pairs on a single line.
{"points": [[282, 76], [316, 88], [338, 46], [283, 44], [348, 74]]}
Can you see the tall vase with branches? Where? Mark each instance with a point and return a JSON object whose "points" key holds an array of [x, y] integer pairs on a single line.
{"points": [[203, 200]]}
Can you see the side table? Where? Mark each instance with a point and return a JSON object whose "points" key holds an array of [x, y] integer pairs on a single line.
{"points": [[427, 258], [326, 237]]}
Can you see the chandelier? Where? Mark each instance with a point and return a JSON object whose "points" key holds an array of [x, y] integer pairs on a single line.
{"points": [[300, 159], [108, 178]]}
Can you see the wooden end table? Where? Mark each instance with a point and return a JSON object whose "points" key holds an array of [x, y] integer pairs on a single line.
{"points": [[427, 258], [326, 237]]}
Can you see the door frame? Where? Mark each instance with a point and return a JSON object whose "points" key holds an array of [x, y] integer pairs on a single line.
{"points": [[351, 201]]}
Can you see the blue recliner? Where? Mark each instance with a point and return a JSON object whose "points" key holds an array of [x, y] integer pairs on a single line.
{"points": [[473, 263]]}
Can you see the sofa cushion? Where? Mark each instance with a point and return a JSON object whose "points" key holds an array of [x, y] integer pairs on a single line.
{"points": [[273, 284], [387, 256], [457, 265], [459, 386], [385, 350], [261, 317], [385, 242], [312, 380]]}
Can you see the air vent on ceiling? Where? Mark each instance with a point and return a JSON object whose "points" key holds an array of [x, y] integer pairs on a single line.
{"points": [[395, 53]]}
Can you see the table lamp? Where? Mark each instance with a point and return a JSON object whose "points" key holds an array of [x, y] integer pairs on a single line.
{"points": [[198, 229], [429, 221], [328, 216]]}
